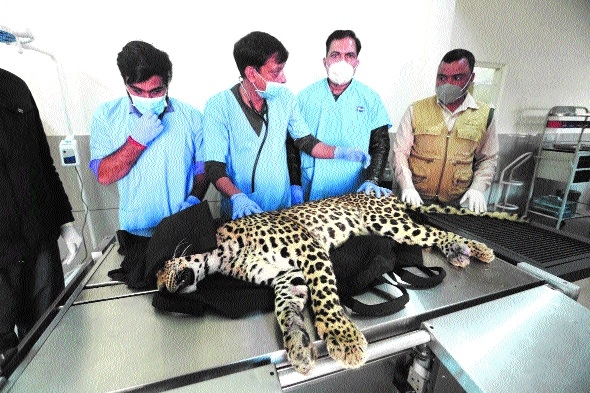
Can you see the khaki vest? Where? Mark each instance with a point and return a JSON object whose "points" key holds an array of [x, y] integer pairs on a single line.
{"points": [[442, 162]]}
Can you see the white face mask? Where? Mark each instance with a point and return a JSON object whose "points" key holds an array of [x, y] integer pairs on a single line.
{"points": [[144, 105], [449, 93], [340, 73]]}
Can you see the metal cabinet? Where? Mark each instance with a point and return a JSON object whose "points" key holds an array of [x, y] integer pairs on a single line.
{"points": [[562, 165]]}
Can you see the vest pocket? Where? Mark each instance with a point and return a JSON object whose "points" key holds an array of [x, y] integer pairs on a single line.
{"points": [[469, 132], [462, 178], [420, 168], [465, 144], [436, 130]]}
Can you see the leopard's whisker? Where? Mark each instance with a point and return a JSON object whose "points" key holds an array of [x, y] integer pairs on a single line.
{"points": [[176, 249], [185, 250]]}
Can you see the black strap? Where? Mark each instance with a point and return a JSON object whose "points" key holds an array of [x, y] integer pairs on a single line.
{"points": [[490, 117], [435, 275], [388, 307]]}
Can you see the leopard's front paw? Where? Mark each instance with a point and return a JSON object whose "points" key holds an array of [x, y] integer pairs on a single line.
{"points": [[458, 254], [347, 344], [175, 277], [481, 251], [300, 351]]}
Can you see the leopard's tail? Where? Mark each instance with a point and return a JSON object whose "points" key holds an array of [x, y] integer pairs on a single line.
{"points": [[466, 212]]}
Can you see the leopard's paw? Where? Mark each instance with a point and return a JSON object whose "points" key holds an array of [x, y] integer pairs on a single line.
{"points": [[347, 345], [458, 254], [300, 350], [481, 251], [176, 276]]}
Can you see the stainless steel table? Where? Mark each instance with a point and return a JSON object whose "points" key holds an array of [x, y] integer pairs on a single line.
{"points": [[99, 286], [115, 340], [532, 341]]}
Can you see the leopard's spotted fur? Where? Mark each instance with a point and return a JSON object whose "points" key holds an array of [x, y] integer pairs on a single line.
{"points": [[289, 250]]}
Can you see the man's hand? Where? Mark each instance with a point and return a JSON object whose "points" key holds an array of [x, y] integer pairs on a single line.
{"points": [[369, 186], [477, 201], [243, 206], [190, 201], [411, 196], [352, 154], [146, 129], [72, 238]]}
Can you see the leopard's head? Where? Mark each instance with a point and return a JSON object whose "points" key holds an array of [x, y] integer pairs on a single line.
{"points": [[175, 276]]}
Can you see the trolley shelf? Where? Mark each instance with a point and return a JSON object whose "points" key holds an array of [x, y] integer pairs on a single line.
{"points": [[563, 157]]}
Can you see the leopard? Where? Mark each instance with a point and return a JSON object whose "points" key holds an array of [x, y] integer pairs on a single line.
{"points": [[289, 250]]}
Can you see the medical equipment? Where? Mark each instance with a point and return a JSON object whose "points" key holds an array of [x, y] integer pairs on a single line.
{"points": [[23, 41], [68, 151]]}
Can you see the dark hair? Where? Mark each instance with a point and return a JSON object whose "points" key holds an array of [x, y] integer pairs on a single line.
{"points": [[256, 48], [458, 54], [138, 61], [340, 34]]}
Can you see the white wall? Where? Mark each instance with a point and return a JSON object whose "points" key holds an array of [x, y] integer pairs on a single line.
{"points": [[545, 46], [401, 44]]}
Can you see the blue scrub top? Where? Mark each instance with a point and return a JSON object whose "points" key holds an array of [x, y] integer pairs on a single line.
{"points": [[162, 177], [230, 139], [348, 122]]}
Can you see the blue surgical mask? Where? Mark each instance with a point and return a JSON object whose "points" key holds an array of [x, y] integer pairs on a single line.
{"points": [[144, 105], [273, 89]]}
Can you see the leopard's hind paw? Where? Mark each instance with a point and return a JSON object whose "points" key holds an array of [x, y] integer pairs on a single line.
{"points": [[300, 350], [347, 345]]}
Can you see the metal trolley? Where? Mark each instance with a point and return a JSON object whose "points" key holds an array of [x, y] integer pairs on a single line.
{"points": [[562, 163]]}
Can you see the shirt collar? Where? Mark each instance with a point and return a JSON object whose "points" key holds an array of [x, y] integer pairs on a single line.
{"points": [[343, 91]]}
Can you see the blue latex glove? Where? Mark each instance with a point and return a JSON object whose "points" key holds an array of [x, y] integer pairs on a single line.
{"points": [[146, 129], [190, 201], [296, 194], [243, 206], [352, 154], [369, 186]]}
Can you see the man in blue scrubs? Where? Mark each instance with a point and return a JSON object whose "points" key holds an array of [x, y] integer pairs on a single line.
{"points": [[342, 111], [246, 130], [147, 142]]}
